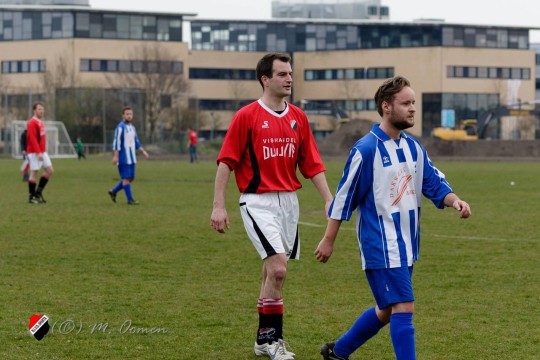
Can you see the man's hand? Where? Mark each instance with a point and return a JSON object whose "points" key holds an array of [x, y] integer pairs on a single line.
{"points": [[219, 220], [115, 159], [324, 250], [463, 208]]}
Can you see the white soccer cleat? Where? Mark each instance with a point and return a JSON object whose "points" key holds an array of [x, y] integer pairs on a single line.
{"points": [[277, 351]]}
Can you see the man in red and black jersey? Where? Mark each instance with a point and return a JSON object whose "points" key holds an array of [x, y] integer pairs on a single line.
{"points": [[265, 144], [38, 158]]}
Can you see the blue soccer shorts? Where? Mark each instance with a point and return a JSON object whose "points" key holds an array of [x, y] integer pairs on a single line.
{"points": [[126, 171], [391, 286]]}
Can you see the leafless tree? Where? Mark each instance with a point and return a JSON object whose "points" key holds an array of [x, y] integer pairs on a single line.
{"points": [[158, 74]]}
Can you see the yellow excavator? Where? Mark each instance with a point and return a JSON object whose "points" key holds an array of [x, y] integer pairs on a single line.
{"points": [[467, 130]]}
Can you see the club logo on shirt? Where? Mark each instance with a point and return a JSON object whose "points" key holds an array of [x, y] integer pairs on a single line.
{"points": [[265, 124], [294, 125], [400, 186], [385, 159]]}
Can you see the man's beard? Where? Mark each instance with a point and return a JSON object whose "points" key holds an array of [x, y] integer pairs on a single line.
{"points": [[400, 123]]}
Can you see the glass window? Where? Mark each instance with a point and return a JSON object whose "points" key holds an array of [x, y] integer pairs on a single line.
{"points": [[5, 67], [137, 66], [308, 75], [473, 72], [14, 67], [84, 65], [83, 21], [34, 66], [25, 66], [123, 26], [459, 71], [112, 65], [526, 74], [505, 73], [178, 67], [349, 73], [492, 72], [124, 66], [516, 73], [135, 27], [95, 65], [42, 65], [482, 72]]}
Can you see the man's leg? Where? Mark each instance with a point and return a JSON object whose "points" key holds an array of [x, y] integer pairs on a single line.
{"points": [[402, 331], [364, 328], [43, 182], [32, 186], [126, 184], [276, 270]]}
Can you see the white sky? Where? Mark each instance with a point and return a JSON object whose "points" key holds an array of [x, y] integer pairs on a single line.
{"points": [[482, 12]]}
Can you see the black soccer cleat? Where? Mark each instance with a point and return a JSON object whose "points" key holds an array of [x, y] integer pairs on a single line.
{"points": [[112, 195], [32, 200], [133, 202], [327, 351], [40, 199]]}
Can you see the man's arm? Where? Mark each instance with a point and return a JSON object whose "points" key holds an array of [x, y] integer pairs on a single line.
{"points": [[145, 154], [219, 218], [452, 200], [320, 183]]}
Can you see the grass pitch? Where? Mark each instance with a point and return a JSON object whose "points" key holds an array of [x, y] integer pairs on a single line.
{"points": [[156, 282]]}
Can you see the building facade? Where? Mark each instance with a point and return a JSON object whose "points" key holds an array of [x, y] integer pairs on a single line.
{"points": [[460, 69], [330, 9]]}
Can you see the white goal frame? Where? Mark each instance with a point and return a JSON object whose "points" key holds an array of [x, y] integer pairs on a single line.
{"points": [[59, 144]]}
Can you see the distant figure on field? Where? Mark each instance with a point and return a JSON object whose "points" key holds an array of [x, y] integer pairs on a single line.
{"points": [[125, 145], [193, 140], [79, 148], [25, 166], [36, 148]]}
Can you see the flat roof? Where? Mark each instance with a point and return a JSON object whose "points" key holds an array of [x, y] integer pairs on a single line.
{"points": [[59, 8], [420, 22]]}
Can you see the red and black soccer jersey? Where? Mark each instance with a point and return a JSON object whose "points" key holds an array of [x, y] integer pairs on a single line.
{"points": [[264, 148], [35, 136]]}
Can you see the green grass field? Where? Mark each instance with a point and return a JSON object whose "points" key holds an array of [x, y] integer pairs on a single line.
{"points": [[106, 272]]}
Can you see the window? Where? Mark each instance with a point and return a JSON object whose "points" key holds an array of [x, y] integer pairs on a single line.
{"points": [[23, 66]]}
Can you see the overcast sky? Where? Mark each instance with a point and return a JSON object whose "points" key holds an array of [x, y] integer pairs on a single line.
{"points": [[484, 12]]}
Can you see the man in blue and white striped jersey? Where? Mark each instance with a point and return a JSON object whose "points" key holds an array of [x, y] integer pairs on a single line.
{"points": [[125, 145], [385, 176]]}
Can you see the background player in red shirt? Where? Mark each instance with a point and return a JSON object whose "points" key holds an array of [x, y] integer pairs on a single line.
{"points": [[193, 140], [36, 148], [265, 144]]}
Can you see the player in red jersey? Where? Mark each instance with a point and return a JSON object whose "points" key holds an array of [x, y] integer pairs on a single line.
{"points": [[36, 143], [265, 144]]}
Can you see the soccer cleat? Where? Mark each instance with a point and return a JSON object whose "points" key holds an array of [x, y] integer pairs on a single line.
{"points": [[133, 202], [112, 195], [31, 200], [40, 198], [277, 351], [261, 350], [327, 351]]}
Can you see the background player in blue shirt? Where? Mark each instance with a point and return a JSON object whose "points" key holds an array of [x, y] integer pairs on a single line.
{"points": [[125, 145], [385, 176]]}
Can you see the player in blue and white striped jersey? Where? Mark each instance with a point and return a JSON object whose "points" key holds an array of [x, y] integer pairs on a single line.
{"points": [[385, 176], [125, 145]]}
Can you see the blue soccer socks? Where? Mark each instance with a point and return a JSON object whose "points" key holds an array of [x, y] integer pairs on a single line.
{"points": [[127, 190], [118, 187], [363, 329], [402, 334]]}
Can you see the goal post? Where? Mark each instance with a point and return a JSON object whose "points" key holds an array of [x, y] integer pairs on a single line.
{"points": [[59, 144]]}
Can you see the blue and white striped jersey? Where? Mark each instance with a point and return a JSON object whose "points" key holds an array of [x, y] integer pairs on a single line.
{"points": [[126, 142], [384, 180]]}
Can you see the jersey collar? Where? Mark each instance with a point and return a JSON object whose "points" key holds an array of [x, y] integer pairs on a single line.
{"points": [[381, 135], [272, 111]]}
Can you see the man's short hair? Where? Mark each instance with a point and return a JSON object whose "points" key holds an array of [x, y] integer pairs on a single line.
{"points": [[388, 90], [265, 65], [34, 107], [126, 108]]}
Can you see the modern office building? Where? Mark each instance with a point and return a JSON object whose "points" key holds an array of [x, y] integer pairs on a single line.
{"points": [[330, 9], [457, 70]]}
